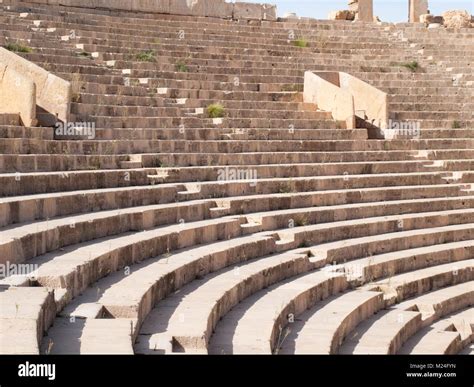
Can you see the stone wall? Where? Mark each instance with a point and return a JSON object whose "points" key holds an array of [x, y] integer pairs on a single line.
{"points": [[210, 8], [346, 97], [53, 94], [17, 95]]}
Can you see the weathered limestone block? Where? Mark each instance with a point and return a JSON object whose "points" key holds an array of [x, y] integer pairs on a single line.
{"points": [[427, 18], [17, 95], [55, 97], [247, 11], [430, 19], [363, 10], [457, 19], [182, 7], [342, 15], [323, 89], [210, 8], [418, 8], [254, 11], [162, 6], [269, 12], [366, 10]]}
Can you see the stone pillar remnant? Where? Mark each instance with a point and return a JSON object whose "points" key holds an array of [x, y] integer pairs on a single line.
{"points": [[417, 8]]}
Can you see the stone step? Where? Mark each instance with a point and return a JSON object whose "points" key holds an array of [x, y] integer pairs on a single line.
{"points": [[132, 122], [248, 134], [436, 107], [25, 315], [124, 284], [138, 213], [403, 286], [212, 59], [61, 269], [121, 39], [98, 147], [76, 267], [57, 233], [386, 332], [157, 101], [95, 15], [387, 265], [61, 232], [231, 287], [108, 37], [260, 83], [445, 133], [41, 207], [420, 115], [341, 251], [382, 334], [145, 112], [121, 298], [9, 131], [89, 337], [457, 122], [9, 119], [254, 173], [238, 332], [255, 158], [37, 183], [322, 329], [448, 336]]}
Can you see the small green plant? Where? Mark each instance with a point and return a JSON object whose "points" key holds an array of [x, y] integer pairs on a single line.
{"points": [[146, 56], [412, 66], [17, 47], [301, 42], [456, 125], [181, 67], [215, 110]]}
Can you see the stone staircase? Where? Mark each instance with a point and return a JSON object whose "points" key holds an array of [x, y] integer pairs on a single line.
{"points": [[269, 228]]}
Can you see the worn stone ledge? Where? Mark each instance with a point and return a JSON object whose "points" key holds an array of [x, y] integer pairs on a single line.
{"points": [[207, 8]]}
